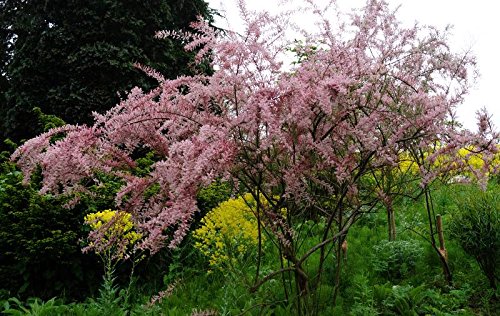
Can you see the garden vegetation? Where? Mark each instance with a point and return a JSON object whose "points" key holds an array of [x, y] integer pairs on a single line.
{"points": [[272, 188]]}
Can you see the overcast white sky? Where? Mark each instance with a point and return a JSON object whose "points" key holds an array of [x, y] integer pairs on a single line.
{"points": [[476, 25]]}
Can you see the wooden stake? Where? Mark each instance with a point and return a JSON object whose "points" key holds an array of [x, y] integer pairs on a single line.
{"points": [[442, 248]]}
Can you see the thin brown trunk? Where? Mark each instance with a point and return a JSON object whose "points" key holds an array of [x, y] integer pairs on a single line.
{"points": [[339, 260], [442, 255], [302, 281], [446, 267], [391, 221]]}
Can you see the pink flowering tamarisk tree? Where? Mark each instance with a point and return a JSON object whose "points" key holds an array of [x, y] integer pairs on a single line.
{"points": [[307, 137]]}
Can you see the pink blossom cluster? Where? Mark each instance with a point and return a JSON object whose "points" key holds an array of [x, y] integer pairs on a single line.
{"points": [[372, 90]]}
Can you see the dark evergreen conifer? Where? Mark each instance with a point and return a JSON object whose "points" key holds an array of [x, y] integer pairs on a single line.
{"points": [[73, 57]]}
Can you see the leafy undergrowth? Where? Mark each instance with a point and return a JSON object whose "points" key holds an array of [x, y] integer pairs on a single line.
{"points": [[378, 278]]}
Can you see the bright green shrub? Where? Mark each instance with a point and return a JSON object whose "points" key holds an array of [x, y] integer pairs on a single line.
{"points": [[476, 226], [395, 260], [209, 197], [389, 299]]}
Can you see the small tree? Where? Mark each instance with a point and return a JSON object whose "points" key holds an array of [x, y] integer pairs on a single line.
{"points": [[307, 139]]}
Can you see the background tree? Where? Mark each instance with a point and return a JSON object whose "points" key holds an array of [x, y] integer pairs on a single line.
{"points": [[73, 57], [4, 53]]}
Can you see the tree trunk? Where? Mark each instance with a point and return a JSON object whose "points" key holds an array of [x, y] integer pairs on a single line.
{"points": [[391, 221], [302, 281], [443, 256], [339, 260]]}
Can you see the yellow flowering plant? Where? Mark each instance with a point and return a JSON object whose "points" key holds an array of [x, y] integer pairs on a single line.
{"points": [[112, 235], [113, 238], [475, 160], [468, 156], [121, 225], [228, 232]]}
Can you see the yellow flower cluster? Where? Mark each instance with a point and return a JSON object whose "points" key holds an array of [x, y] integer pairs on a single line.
{"points": [[467, 155], [407, 165], [228, 232], [121, 227], [475, 160]]}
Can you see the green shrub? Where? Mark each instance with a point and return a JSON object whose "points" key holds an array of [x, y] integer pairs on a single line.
{"points": [[476, 226], [395, 260], [388, 299], [40, 252], [41, 241], [211, 196]]}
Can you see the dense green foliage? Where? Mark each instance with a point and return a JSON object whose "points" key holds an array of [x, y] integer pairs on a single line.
{"points": [[72, 57], [211, 196], [40, 242], [396, 259], [476, 226], [418, 289]]}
